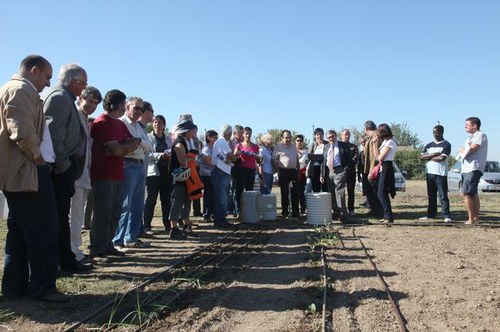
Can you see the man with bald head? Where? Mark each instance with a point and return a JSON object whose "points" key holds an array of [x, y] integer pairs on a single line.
{"points": [[69, 138], [30, 263]]}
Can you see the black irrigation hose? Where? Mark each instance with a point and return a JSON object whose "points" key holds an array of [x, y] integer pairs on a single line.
{"points": [[217, 254], [425, 224], [340, 239], [178, 294], [394, 307], [149, 280], [443, 224]]}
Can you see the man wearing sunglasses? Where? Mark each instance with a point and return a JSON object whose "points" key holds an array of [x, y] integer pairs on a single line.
{"points": [[70, 141], [129, 226]]}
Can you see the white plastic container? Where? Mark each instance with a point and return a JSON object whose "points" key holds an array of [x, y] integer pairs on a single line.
{"points": [[266, 207], [319, 208], [249, 213]]}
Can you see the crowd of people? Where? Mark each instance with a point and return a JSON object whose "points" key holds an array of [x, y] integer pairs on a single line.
{"points": [[60, 166]]}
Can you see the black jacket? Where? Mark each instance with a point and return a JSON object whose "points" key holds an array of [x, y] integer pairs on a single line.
{"points": [[345, 158]]}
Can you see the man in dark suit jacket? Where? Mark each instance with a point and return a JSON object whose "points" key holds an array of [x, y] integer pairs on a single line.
{"points": [[337, 161]]}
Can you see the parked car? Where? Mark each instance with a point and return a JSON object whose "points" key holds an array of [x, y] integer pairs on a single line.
{"points": [[489, 182], [399, 177]]}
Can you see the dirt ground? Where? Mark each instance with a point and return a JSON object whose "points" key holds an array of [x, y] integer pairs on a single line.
{"points": [[442, 279]]}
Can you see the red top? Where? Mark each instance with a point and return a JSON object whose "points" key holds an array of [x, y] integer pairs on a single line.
{"points": [[106, 129], [248, 155]]}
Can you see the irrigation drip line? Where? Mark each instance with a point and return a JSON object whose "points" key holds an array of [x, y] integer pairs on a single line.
{"points": [[443, 224], [148, 281], [194, 271], [190, 259], [199, 275], [394, 307], [426, 224], [340, 239]]}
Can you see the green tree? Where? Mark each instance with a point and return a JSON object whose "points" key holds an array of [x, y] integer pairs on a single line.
{"points": [[404, 136], [409, 160]]}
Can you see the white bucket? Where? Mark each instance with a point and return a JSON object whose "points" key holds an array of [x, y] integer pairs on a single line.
{"points": [[266, 206], [319, 208], [249, 213]]}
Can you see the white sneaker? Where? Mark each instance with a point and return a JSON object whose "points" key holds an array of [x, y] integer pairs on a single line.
{"points": [[424, 218], [448, 220], [121, 248]]}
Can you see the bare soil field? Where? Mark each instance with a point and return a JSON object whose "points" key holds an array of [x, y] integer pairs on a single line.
{"points": [[442, 277]]}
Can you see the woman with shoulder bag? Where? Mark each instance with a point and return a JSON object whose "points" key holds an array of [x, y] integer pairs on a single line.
{"points": [[386, 181]]}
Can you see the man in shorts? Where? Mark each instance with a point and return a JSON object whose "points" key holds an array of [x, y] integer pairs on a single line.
{"points": [[473, 155]]}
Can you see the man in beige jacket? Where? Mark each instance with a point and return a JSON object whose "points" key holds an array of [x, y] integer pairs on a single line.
{"points": [[30, 263]]}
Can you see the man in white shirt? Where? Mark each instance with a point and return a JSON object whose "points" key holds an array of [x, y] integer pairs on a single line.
{"points": [[473, 155], [222, 159], [129, 226], [436, 154]]}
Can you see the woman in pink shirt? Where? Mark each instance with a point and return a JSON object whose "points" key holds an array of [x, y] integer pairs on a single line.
{"points": [[249, 156]]}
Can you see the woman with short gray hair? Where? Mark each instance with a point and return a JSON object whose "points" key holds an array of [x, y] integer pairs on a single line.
{"points": [[266, 167]]}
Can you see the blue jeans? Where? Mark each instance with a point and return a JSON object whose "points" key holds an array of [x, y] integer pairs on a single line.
{"points": [[31, 247], [437, 185], [266, 190], [220, 181], [129, 225]]}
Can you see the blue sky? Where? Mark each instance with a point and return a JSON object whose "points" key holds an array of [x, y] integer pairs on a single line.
{"points": [[278, 64]]}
